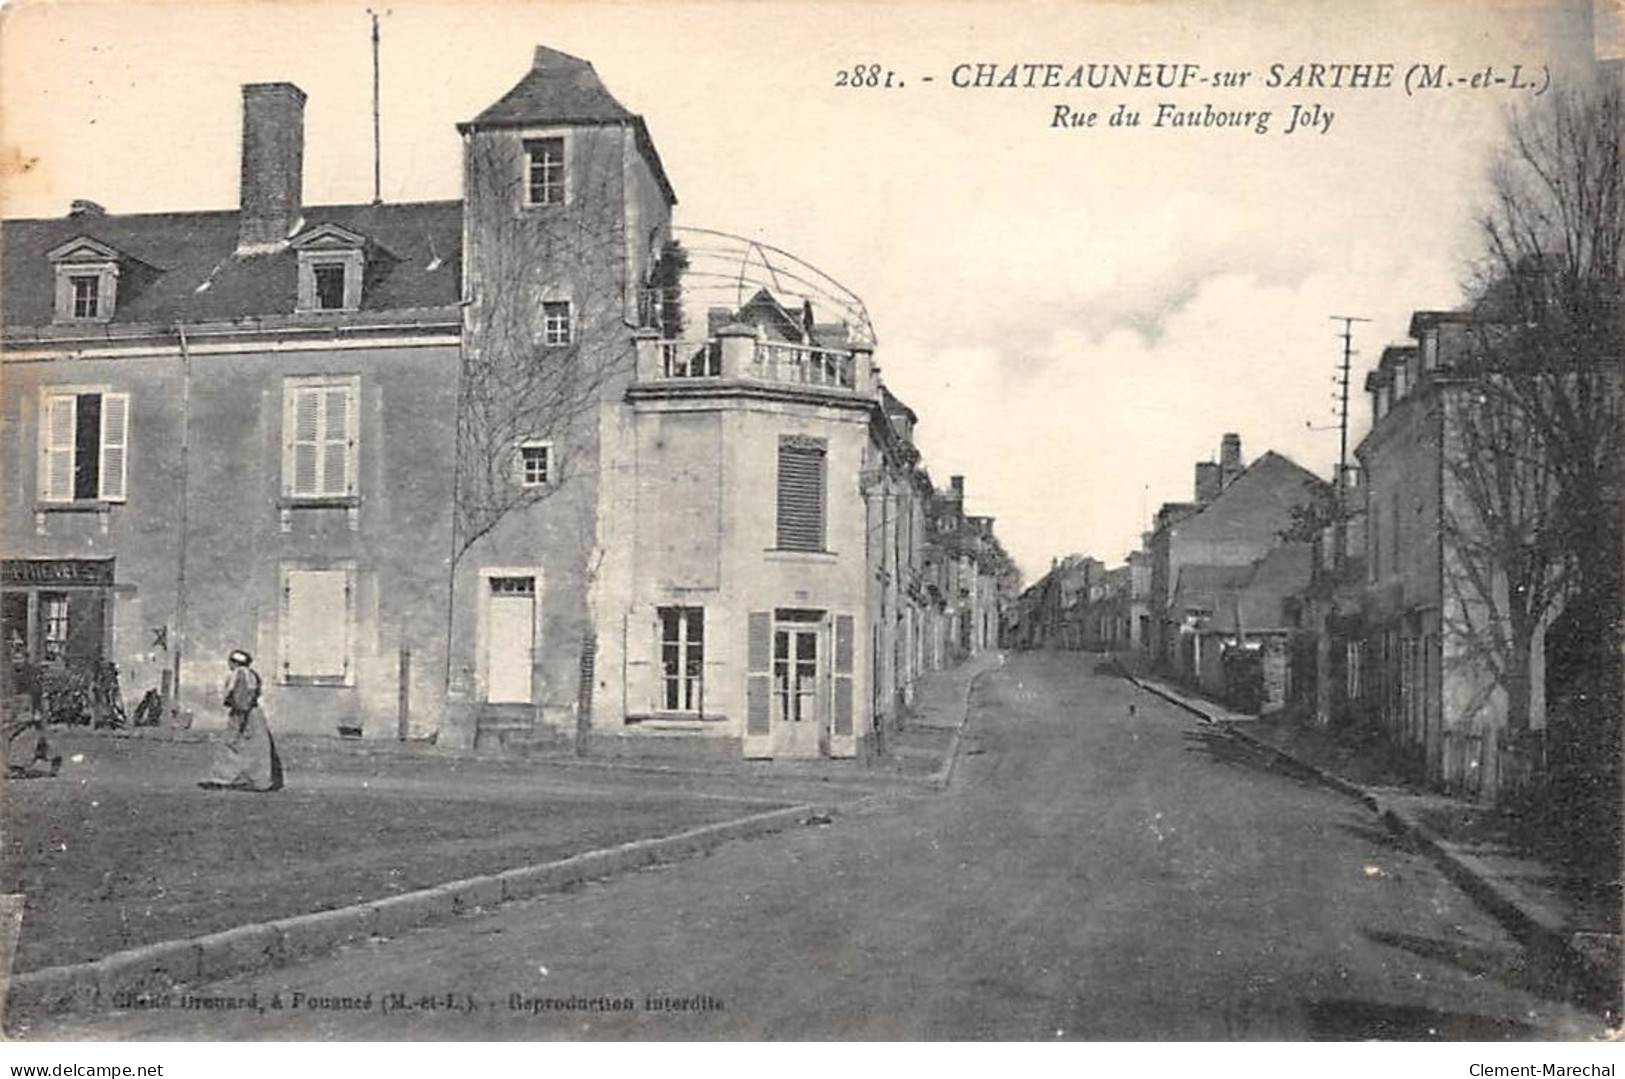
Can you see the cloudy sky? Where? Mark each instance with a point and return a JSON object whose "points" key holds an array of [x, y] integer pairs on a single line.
{"points": [[1077, 315]]}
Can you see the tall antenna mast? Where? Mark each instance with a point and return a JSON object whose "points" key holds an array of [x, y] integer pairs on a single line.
{"points": [[377, 150]]}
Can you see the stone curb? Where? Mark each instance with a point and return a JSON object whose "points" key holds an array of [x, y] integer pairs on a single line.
{"points": [[1529, 926], [90, 986], [945, 774]]}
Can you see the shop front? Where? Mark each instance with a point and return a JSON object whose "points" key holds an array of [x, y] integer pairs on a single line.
{"points": [[55, 613]]}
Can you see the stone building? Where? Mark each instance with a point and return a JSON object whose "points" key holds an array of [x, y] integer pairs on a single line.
{"points": [[1237, 518], [227, 429], [492, 469], [1422, 667], [968, 575]]}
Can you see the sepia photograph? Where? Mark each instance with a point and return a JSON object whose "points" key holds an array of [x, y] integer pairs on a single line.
{"points": [[812, 521]]}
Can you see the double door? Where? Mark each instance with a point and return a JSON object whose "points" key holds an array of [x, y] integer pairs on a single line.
{"points": [[799, 693]]}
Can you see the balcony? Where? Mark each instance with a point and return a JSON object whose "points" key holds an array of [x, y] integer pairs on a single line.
{"points": [[738, 355], [721, 313]]}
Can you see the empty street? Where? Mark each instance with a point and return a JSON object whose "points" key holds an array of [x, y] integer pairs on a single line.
{"points": [[1102, 867]]}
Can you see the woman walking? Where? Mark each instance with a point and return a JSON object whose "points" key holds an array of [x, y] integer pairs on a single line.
{"points": [[247, 760]]}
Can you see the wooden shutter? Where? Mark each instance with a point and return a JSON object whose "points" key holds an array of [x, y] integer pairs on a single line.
{"points": [[843, 675], [114, 445], [758, 684], [644, 686], [301, 467], [338, 440], [316, 613], [801, 494], [56, 467]]}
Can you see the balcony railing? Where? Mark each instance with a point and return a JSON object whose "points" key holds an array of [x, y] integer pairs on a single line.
{"points": [[775, 361], [690, 359], [744, 358]]}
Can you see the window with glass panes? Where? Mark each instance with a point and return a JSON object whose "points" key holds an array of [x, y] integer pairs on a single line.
{"points": [[329, 286], [54, 622], [86, 295], [682, 658], [556, 322], [544, 171], [535, 463]]}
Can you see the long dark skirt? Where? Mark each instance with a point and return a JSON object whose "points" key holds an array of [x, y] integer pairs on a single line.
{"points": [[247, 758]]}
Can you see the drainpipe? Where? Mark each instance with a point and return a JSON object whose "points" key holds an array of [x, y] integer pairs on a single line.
{"points": [[178, 644]]}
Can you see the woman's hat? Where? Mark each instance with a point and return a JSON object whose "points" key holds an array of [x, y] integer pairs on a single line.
{"points": [[239, 656]]}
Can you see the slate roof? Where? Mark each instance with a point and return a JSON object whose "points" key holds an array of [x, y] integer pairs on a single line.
{"points": [[1257, 502], [564, 89], [414, 262], [1259, 588], [560, 88], [1209, 583]]}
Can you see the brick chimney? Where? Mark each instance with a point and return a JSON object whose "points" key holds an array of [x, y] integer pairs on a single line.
{"points": [[273, 164], [1208, 481], [957, 485], [1230, 465]]}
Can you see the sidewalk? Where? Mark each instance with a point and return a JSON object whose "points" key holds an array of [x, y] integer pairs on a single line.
{"points": [[1558, 910], [919, 752], [931, 730]]}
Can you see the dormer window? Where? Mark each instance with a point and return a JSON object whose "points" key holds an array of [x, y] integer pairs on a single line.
{"points": [[329, 285], [332, 266], [86, 295], [545, 178], [87, 273]]}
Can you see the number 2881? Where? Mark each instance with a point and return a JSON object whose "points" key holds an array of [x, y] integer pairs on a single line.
{"points": [[868, 76]]}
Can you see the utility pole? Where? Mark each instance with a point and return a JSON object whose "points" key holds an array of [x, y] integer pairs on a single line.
{"points": [[1340, 488], [1321, 611], [1347, 335]]}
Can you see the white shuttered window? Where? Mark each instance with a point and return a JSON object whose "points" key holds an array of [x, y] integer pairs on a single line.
{"points": [[56, 470], [115, 435], [320, 438], [318, 609], [84, 445]]}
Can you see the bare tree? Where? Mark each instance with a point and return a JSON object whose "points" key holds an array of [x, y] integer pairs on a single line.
{"points": [[534, 370], [1533, 399]]}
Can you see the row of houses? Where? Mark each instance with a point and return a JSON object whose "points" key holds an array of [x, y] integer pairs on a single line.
{"points": [[1374, 599], [1078, 604], [1213, 599], [507, 468], [1210, 597]]}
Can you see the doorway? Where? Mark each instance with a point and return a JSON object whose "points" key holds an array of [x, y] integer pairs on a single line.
{"points": [[510, 635], [798, 680]]}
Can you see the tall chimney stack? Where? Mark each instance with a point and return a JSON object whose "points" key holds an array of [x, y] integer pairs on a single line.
{"points": [[273, 164], [957, 485], [1230, 465], [1208, 481]]}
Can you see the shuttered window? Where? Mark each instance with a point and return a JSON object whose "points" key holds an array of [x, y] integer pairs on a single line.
{"points": [[318, 608], [844, 632], [84, 446], [319, 455], [801, 494], [758, 680], [115, 433]]}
